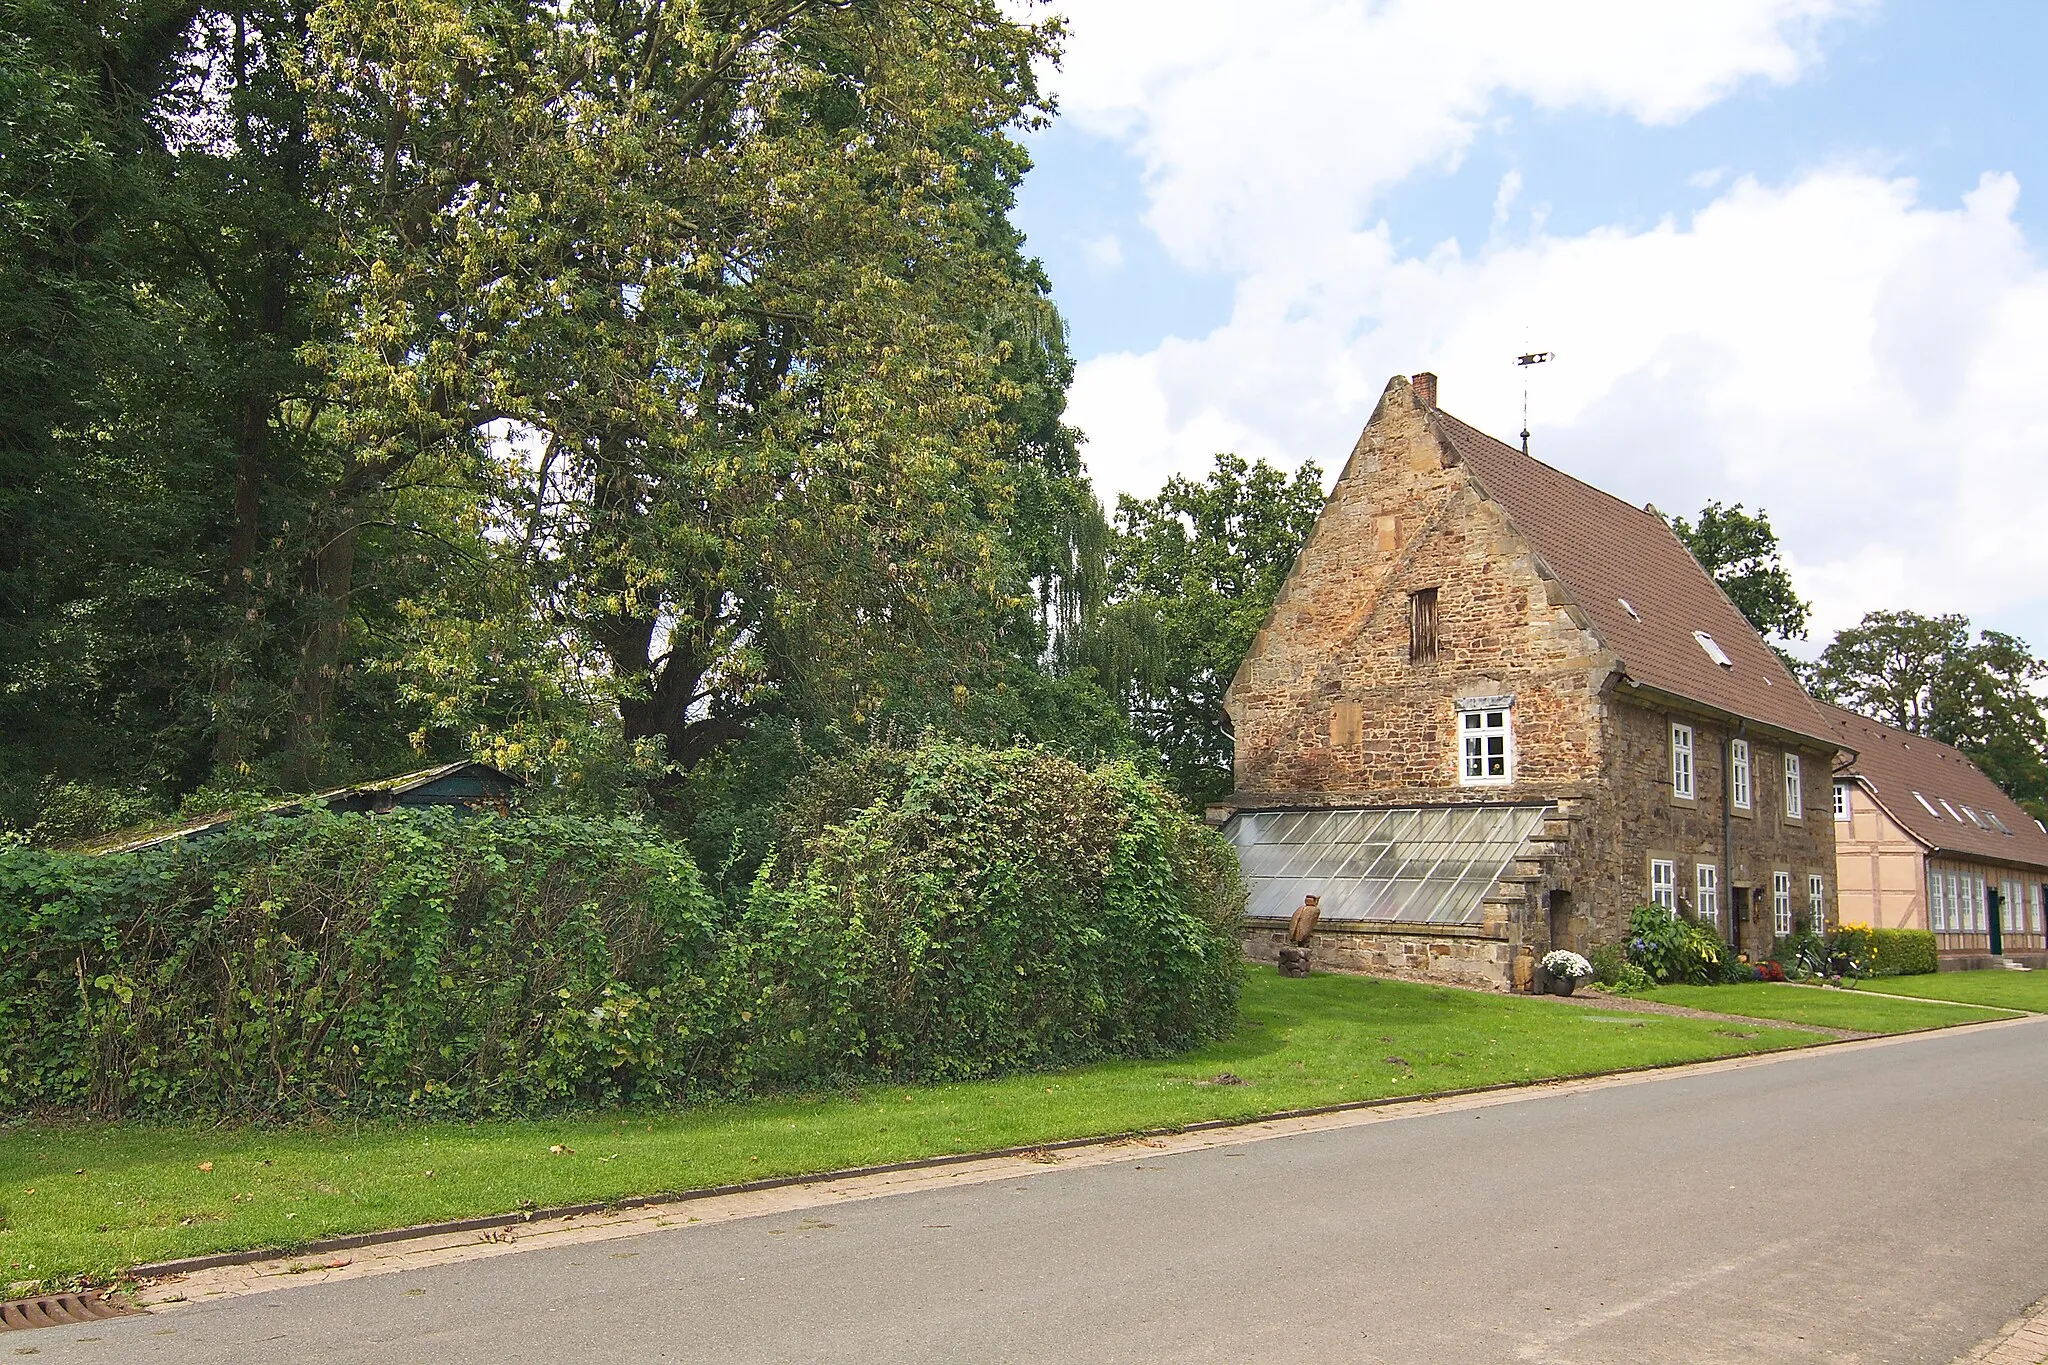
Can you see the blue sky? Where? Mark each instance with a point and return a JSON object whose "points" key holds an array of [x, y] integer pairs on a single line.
{"points": [[1762, 241]]}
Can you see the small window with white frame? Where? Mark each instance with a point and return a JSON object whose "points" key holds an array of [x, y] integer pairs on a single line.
{"points": [[1937, 903], [1843, 810], [1816, 902], [1681, 762], [1781, 903], [1707, 894], [1486, 737], [2036, 917], [1738, 773], [1795, 795], [1956, 921], [1664, 884]]}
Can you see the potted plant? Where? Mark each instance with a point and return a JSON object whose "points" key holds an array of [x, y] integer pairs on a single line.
{"points": [[1567, 969]]}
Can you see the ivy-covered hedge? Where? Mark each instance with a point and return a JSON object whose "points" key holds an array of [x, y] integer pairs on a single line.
{"points": [[949, 912]]}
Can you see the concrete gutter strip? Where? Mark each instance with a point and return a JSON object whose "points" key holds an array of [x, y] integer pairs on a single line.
{"points": [[170, 1283]]}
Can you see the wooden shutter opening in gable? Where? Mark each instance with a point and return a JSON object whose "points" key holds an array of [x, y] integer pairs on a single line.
{"points": [[1422, 626]]}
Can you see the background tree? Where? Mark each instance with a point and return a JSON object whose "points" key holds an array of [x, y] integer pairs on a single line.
{"points": [[1927, 675], [1741, 552], [1193, 573]]}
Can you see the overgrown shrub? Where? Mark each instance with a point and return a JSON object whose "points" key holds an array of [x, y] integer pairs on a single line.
{"points": [[978, 912], [978, 909], [1608, 960]]}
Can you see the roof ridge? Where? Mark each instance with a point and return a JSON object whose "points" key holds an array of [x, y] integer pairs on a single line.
{"points": [[1507, 449]]}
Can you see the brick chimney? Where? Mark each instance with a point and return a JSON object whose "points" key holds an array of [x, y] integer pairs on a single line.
{"points": [[1424, 385]]}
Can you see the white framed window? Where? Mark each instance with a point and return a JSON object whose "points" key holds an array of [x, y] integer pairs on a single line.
{"points": [[1488, 740], [2034, 919], [1781, 903], [1816, 902], [1681, 761], [1928, 804], [1664, 884], [1956, 922], [1937, 903], [1707, 886], [1738, 773], [1979, 902], [1842, 811], [1795, 796]]}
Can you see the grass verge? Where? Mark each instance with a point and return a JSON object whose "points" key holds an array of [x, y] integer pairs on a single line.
{"points": [[79, 1199], [1829, 1008], [2000, 988]]}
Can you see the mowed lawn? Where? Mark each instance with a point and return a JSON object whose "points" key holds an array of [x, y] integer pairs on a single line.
{"points": [[1844, 1009], [2000, 987], [92, 1199]]}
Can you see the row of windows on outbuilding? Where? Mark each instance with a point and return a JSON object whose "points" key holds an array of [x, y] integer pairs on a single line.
{"points": [[1706, 883]]}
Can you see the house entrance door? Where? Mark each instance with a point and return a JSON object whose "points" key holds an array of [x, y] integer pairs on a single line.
{"points": [[1997, 900]]}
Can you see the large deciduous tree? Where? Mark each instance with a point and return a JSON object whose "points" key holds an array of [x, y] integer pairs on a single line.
{"points": [[676, 354]]}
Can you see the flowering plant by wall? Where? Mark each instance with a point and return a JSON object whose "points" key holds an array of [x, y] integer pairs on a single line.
{"points": [[1564, 962]]}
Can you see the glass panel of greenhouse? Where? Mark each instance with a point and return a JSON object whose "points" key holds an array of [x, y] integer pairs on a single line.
{"points": [[1428, 865]]}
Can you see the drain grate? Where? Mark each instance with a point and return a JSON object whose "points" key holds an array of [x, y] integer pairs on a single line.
{"points": [[61, 1310]]}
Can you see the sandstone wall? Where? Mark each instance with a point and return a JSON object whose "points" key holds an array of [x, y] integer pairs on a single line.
{"points": [[1328, 708]]}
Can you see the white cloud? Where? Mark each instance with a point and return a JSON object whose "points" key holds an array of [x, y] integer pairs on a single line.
{"points": [[1860, 362], [1504, 197], [1835, 348], [1105, 252], [1261, 125]]}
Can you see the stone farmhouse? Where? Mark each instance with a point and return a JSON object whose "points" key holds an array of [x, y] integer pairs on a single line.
{"points": [[1924, 840], [1494, 709]]}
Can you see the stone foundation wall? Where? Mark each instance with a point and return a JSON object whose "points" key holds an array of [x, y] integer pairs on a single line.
{"points": [[1464, 957]]}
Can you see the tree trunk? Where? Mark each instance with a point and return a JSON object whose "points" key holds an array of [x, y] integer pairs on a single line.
{"points": [[328, 576]]}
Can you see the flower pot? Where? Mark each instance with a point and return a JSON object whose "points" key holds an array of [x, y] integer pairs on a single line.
{"points": [[1563, 985]]}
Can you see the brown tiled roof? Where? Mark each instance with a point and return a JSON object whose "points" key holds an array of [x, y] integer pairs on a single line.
{"points": [[1605, 551], [1893, 764]]}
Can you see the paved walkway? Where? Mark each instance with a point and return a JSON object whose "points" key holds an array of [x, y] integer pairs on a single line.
{"points": [[2023, 1341], [1630, 1004]]}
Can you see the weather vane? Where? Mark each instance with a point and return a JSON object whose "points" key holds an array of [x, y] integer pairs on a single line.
{"points": [[1525, 361]]}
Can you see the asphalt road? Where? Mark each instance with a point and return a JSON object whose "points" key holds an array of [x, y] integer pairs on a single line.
{"points": [[1888, 1204]]}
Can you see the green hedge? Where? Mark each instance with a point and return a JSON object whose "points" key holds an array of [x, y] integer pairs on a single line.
{"points": [[973, 912], [1887, 952]]}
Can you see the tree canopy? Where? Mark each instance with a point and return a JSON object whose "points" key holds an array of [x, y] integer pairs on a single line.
{"points": [[1193, 573], [1928, 675], [1740, 550], [534, 379]]}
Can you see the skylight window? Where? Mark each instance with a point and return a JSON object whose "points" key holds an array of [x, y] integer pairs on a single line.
{"points": [[1950, 809], [1629, 607], [1714, 650], [1928, 804], [1996, 822], [1972, 817]]}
